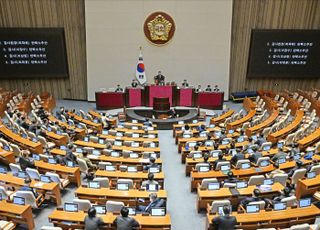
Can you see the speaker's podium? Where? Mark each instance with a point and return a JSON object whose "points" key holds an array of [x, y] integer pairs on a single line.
{"points": [[161, 107]]}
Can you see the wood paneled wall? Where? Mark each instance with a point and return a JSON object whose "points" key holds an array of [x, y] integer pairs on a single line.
{"points": [[268, 14], [52, 13]]}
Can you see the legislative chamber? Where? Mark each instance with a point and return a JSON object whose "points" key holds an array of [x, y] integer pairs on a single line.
{"points": [[160, 115]]}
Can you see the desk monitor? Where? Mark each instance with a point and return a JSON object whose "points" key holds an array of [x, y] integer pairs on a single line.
{"points": [[117, 143], [266, 148], [119, 134], [135, 121], [101, 209], [19, 200], [158, 211], [152, 187], [209, 143], [212, 125], [192, 144], [132, 211], [120, 126], [194, 121], [6, 148], [86, 139], [96, 121], [250, 151], [254, 137], [225, 167], [203, 134], [311, 175], [264, 163], [36, 157], [115, 154], [245, 165], [154, 169], [296, 157], [134, 128], [186, 135], [151, 136], [305, 202], [3, 170], [214, 153], [49, 129], [197, 155], [105, 132], [134, 155], [58, 132], [150, 128], [22, 175], [204, 169], [231, 131], [225, 142], [268, 181], [135, 135], [101, 141], [70, 164], [217, 133], [180, 122], [63, 147], [123, 186], [213, 186], [70, 207], [45, 179], [96, 152], [281, 160], [132, 169], [280, 206], [25, 136], [280, 144], [34, 139], [255, 208], [94, 184], [241, 184], [154, 155], [78, 150], [309, 155], [52, 160], [110, 168], [240, 139], [152, 145]]}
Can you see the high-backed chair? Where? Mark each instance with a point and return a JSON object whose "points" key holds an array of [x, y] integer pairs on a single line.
{"points": [[4, 193], [262, 159], [218, 203], [290, 201], [103, 181], [30, 199], [63, 183], [219, 164], [205, 182], [45, 143], [298, 174], [15, 168], [126, 181], [280, 178], [316, 169], [114, 206], [83, 166], [83, 205], [240, 162], [256, 180], [261, 204], [33, 173]]}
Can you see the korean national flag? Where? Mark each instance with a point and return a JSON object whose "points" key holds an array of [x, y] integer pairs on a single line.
{"points": [[140, 71]]}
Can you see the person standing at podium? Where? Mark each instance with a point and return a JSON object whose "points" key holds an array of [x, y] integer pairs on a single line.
{"points": [[185, 84], [208, 89], [159, 79], [198, 89], [119, 89]]}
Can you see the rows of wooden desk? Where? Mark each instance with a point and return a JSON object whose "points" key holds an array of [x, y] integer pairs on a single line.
{"points": [[222, 117]]}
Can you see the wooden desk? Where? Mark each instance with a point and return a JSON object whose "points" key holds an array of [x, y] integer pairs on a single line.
{"points": [[7, 157], [176, 127], [72, 173], [307, 186], [90, 124], [274, 137], [90, 144], [138, 149], [113, 121], [310, 139], [129, 197], [21, 214], [146, 222], [266, 123], [140, 131], [238, 123], [182, 141], [135, 139], [222, 117], [35, 147], [57, 139], [137, 177], [274, 219], [52, 189], [248, 104], [80, 132], [123, 160], [208, 196]]}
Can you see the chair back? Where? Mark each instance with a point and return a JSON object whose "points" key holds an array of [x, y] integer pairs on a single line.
{"points": [[3, 193], [256, 180], [300, 227], [261, 203], [83, 165], [114, 206], [103, 181], [14, 168], [280, 178], [83, 205], [102, 165], [205, 182], [28, 196], [298, 174], [33, 173], [219, 164], [126, 181], [218, 203], [290, 201], [240, 162]]}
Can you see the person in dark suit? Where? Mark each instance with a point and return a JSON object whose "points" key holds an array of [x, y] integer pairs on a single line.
{"points": [[208, 89], [24, 161], [124, 222], [69, 155], [119, 89], [299, 165], [220, 159], [285, 193], [26, 187], [185, 83], [255, 197], [236, 157], [255, 156], [151, 164], [155, 202], [225, 222], [279, 155], [231, 178], [134, 83], [216, 89], [91, 221], [159, 79], [198, 89]]}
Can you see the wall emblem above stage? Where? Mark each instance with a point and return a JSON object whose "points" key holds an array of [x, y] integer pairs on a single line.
{"points": [[159, 28]]}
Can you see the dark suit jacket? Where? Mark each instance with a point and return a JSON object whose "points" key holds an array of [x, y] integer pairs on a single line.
{"points": [[155, 204], [238, 156], [214, 164], [25, 163], [224, 222], [278, 155], [255, 156]]}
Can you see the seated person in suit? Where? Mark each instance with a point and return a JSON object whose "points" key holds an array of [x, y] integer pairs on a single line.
{"points": [[231, 178], [225, 222], [255, 155], [202, 128], [187, 130], [119, 89], [84, 156], [25, 161], [284, 194], [276, 171], [208, 89], [155, 202], [236, 157], [314, 163], [69, 155], [147, 122], [91, 221], [255, 197], [206, 159], [185, 83], [150, 180], [279, 155], [151, 164], [220, 159], [125, 222], [299, 165], [26, 187], [216, 89], [134, 83]]}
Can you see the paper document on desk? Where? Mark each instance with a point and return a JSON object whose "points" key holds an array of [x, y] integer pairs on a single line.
{"points": [[265, 188], [38, 184], [144, 160], [93, 156]]}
